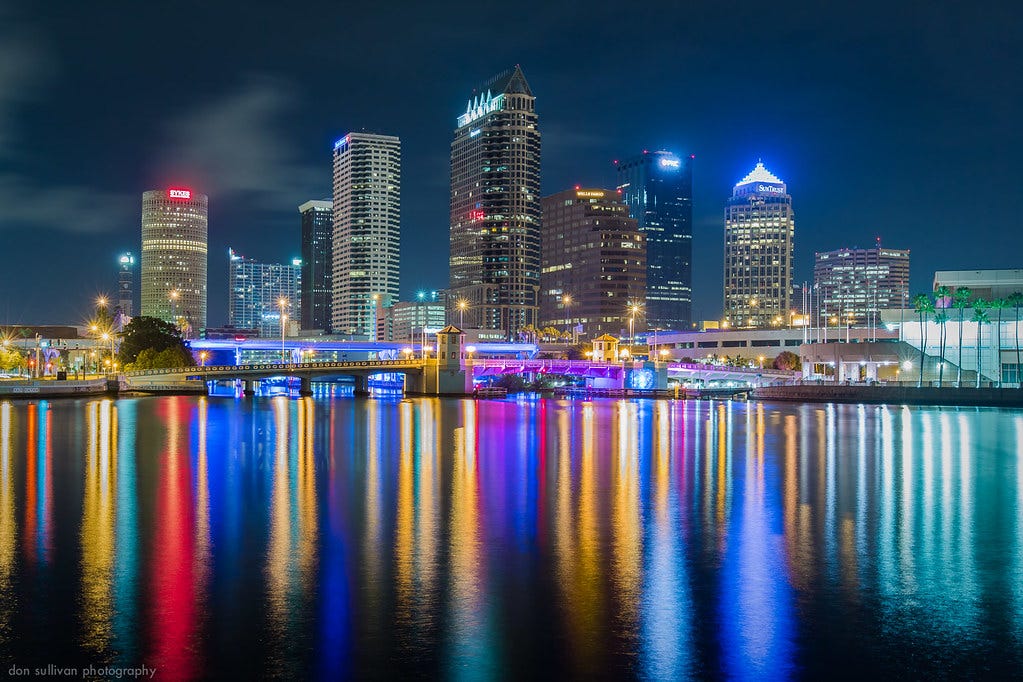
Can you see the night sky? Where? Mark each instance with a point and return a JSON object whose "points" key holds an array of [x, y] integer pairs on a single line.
{"points": [[896, 120]]}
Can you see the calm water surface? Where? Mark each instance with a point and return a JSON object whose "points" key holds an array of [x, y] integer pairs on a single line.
{"points": [[382, 538]]}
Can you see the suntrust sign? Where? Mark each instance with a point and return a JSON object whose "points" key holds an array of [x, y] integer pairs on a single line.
{"points": [[179, 193], [770, 188]]}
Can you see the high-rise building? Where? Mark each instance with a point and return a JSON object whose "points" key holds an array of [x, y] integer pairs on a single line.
{"points": [[594, 264], [174, 239], [658, 189], [495, 207], [855, 284], [126, 285], [317, 262], [408, 321], [258, 291], [367, 230], [759, 232]]}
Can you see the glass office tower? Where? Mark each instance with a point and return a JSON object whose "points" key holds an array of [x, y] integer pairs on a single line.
{"points": [[658, 189]]}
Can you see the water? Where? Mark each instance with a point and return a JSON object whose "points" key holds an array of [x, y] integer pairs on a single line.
{"points": [[385, 538]]}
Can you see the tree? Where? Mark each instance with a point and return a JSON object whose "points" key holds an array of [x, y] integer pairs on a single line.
{"points": [[999, 304], [924, 306], [150, 333], [1016, 300], [11, 359], [980, 316], [787, 360], [961, 301]]}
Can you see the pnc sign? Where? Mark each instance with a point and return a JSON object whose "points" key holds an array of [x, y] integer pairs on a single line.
{"points": [[179, 193]]}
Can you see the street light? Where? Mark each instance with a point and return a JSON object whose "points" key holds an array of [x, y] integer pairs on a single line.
{"points": [[173, 296], [107, 336], [282, 304], [470, 350], [376, 299], [633, 309], [462, 305], [202, 358], [566, 300]]}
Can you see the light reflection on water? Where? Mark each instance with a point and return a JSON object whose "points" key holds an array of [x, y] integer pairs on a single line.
{"points": [[215, 537]]}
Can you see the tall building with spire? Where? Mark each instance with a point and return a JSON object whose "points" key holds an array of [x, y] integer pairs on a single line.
{"points": [[759, 234], [495, 207], [367, 231], [658, 189]]}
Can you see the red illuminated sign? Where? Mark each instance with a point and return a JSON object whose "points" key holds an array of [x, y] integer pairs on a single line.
{"points": [[179, 193], [476, 215]]}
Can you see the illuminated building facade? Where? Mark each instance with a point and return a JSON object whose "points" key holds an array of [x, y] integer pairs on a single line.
{"points": [[495, 207], [317, 262], [256, 291], [759, 233], [366, 231], [406, 320], [126, 285], [594, 263], [658, 189], [855, 284], [174, 245]]}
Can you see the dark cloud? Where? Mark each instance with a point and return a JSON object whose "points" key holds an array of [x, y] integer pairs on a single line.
{"points": [[235, 144]]}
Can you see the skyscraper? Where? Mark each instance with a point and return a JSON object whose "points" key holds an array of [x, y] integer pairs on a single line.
{"points": [[257, 292], [317, 261], [658, 188], [759, 232], [495, 207], [855, 284], [126, 284], [174, 233], [594, 264], [367, 230]]}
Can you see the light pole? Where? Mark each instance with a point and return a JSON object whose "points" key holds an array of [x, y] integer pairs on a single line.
{"points": [[566, 300], [462, 305], [173, 295], [633, 309], [376, 298], [107, 336], [421, 295], [283, 303]]}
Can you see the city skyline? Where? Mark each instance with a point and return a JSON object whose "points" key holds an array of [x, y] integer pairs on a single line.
{"points": [[233, 132]]}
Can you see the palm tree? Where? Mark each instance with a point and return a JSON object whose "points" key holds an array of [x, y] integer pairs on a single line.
{"points": [[940, 318], [980, 316], [942, 300], [924, 306], [999, 304], [1016, 300], [961, 301]]}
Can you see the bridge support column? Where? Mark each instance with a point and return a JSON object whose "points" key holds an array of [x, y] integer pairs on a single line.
{"points": [[362, 384], [248, 387], [305, 386]]}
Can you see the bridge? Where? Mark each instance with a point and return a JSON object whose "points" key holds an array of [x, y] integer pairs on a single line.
{"points": [[618, 370], [360, 370], [421, 375]]}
